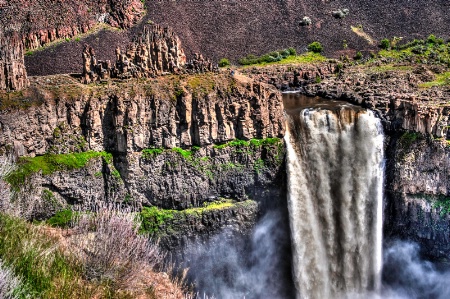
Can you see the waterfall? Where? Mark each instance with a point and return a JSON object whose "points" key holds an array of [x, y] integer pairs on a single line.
{"points": [[335, 181]]}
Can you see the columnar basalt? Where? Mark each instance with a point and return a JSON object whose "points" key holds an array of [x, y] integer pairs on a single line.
{"points": [[155, 51], [32, 24], [166, 130], [13, 75]]}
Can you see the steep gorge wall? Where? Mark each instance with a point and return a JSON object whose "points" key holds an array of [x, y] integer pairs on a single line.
{"points": [[416, 122], [126, 119]]}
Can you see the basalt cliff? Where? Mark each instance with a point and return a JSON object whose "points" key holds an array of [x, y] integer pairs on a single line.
{"points": [[156, 126]]}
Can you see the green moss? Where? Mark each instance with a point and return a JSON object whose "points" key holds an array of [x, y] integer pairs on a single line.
{"points": [[187, 154], [155, 220], [151, 152], [258, 166], [443, 203], [115, 173], [51, 163], [251, 142]]}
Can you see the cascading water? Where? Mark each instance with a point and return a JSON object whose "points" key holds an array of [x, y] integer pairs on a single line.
{"points": [[335, 179]]}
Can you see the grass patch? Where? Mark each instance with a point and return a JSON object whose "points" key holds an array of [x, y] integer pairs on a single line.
{"points": [[309, 57], [386, 68], [51, 163], [201, 83], [34, 256], [440, 80]]}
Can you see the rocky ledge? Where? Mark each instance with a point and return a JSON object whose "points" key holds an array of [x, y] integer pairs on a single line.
{"points": [[176, 142]]}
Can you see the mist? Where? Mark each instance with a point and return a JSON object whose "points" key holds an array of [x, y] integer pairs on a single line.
{"points": [[256, 266]]}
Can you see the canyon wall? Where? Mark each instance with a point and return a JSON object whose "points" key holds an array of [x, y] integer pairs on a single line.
{"points": [[171, 143], [416, 122]]}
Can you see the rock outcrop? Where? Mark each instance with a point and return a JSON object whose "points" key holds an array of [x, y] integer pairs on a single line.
{"points": [[418, 193], [154, 52], [145, 126], [32, 24], [13, 75]]}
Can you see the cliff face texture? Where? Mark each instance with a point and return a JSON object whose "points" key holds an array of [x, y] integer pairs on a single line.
{"points": [[13, 75], [169, 140], [416, 122], [32, 24], [417, 193]]}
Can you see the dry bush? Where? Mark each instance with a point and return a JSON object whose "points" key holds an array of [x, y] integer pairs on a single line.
{"points": [[110, 249], [9, 283]]}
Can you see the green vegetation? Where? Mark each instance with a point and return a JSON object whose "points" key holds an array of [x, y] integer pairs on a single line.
{"points": [[431, 50], [201, 84], [315, 47], [440, 80], [251, 142], [46, 272], [443, 203], [275, 56], [385, 44], [151, 152], [50, 163], [358, 56], [224, 62], [155, 219]]}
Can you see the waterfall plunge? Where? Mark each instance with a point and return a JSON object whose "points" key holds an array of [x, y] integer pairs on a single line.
{"points": [[335, 175]]}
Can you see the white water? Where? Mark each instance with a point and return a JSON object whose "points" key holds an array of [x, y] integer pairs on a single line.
{"points": [[335, 179]]}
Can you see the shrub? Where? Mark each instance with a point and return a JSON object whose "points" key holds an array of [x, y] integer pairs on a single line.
{"points": [[110, 248], [432, 39], [385, 44], [61, 219], [224, 62], [358, 56], [315, 47], [292, 51]]}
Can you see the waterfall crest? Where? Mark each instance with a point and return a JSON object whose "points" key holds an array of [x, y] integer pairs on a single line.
{"points": [[335, 175]]}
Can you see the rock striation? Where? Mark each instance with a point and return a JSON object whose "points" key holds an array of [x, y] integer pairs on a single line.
{"points": [[156, 51], [153, 131], [13, 75]]}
